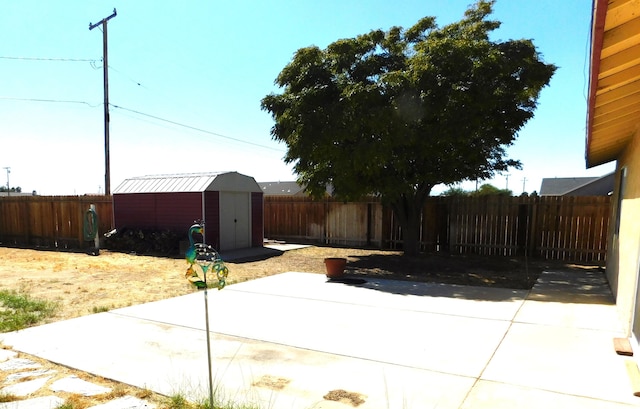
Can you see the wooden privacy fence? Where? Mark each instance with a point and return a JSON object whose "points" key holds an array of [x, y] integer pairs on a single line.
{"points": [[50, 221], [559, 227], [302, 219]]}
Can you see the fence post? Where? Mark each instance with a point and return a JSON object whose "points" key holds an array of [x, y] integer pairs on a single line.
{"points": [[442, 220], [533, 227], [369, 211], [524, 225]]}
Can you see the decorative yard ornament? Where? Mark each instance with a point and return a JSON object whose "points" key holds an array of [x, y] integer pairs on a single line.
{"points": [[207, 259]]}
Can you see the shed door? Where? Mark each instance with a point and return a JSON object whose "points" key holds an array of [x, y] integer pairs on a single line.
{"points": [[234, 220]]}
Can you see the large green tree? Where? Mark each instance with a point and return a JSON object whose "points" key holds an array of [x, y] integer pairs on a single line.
{"points": [[395, 113]]}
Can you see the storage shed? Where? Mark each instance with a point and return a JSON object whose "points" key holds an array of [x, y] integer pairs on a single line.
{"points": [[229, 203]]}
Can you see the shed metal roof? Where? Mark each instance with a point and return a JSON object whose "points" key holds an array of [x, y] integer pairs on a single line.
{"points": [[188, 182]]}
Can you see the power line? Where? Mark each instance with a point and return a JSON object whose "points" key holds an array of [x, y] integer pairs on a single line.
{"points": [[93, 62], [194, 128], [125, 75], [62, 101], [49, 59]]}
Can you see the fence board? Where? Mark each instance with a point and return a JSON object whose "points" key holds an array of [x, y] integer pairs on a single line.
{"points": [[50, 221], [559, 228]]}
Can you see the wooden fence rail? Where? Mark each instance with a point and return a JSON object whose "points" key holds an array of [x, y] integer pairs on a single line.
{"points": [[50, 221], [559, 228], [556, 227]]}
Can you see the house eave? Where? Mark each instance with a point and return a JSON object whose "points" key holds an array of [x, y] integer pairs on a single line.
{"points": [[613, 111]]}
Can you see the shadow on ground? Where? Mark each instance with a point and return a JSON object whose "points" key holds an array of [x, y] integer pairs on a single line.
{"points": [[430, 289], [561, 282], [483, 271], [250, 256]]}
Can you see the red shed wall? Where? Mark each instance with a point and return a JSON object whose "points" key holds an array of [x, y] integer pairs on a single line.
{"points": [[178, 211], [174, 211], [134, 210]]}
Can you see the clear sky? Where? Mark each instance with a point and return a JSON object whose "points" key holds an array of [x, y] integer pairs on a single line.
{"points": [[186, 79]]}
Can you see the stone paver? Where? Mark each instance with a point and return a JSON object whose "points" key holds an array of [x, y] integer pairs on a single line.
{"points": [[7, 354], [13, 377], [76, 385], [18, 364], [44, 402], [125, 402], [25, 388], [22, 382]]}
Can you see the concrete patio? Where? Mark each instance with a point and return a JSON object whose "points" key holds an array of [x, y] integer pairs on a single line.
{"points": [[294, 340]]}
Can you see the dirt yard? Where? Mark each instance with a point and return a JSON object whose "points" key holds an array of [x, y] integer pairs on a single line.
{"points": [[83, 284]]}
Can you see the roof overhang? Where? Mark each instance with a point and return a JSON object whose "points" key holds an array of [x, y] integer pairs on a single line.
{"points": [[613, 114]]}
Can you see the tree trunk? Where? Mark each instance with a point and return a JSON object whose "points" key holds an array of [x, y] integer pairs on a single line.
{"points": [[411, 236], [408, 212]]}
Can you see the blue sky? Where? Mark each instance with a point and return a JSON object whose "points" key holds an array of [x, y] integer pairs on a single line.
{"points": [[207, 64]]}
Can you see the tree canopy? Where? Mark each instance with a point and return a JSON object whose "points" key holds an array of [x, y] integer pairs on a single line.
{"points": [[485, 190], [396, 112]]}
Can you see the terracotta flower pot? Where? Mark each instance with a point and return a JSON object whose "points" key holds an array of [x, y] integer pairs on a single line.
{"points": [[335, 266]]}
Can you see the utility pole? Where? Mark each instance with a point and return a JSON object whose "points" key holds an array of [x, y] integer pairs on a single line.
{"points": [[105, 71], [524, 180], [8, 169], [507, 177]]}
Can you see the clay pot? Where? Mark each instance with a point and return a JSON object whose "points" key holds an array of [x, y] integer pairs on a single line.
{"points": [[335, 266]]}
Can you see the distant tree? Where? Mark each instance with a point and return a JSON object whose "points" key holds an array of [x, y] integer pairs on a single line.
{"points": [[395, 113], [455, 191], [490, 190], [484, 190], [16, 189]]}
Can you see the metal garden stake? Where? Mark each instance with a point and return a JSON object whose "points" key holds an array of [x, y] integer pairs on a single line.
{"points": [[208, 260]]}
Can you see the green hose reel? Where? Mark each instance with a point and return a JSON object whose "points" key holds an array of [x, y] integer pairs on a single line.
{"points": [[90, 225]]}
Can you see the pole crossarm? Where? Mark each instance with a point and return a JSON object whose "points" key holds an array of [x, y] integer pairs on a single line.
{"points": [[104, 20]]}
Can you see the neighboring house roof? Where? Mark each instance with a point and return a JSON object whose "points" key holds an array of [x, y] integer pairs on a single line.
{"points": [[188, 182], [10, 194], [578, 186], [614, 80], [281, 188], [288, 188]]}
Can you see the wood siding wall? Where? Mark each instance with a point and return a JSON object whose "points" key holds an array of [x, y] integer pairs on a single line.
{"points": [[560, 228]]}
